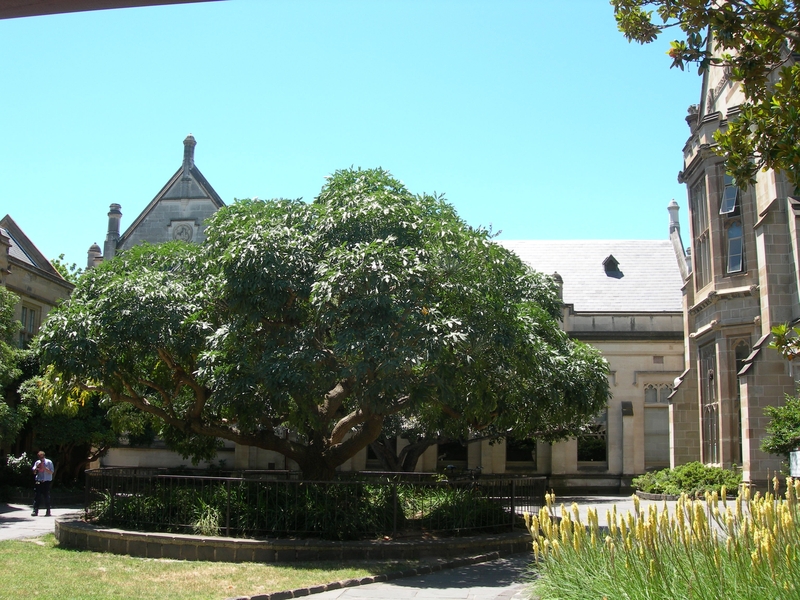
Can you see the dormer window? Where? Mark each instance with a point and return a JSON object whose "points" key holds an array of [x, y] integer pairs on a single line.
{"points": [[730, 197], [611, 265]]}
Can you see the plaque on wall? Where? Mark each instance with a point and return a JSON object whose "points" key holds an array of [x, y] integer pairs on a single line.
{"points": [[183, 232]]}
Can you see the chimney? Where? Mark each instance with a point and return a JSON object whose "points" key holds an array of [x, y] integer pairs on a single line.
{"points": [[674, 221], [93, 257], [188, 154], [112, 237]]}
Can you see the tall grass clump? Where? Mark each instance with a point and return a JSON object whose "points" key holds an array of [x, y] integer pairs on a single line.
{"points": [[708, 549]]}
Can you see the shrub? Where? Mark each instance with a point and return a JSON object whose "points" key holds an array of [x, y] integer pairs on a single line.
{"points": [[692, 479], [705, 550]]}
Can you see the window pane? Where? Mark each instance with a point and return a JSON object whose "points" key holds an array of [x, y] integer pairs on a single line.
{"points": [[656, 437], [663, 395], [735, 248], [729, 198], [650, 395]]}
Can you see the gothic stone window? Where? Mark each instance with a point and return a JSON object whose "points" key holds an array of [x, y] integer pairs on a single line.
{"points": [[656, 425], [701, 251], [708, 404], [730, 213], [30, 325], [741, 350], [593, 444]]}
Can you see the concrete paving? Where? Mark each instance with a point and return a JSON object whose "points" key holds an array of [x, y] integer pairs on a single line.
{"points": [[501, 579], [16, 521]]}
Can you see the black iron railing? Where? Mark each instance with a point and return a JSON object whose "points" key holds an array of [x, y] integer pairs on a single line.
{"points": [[274, 504]]}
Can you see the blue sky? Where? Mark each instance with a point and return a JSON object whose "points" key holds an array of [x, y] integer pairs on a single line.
{"points": [[534, 117]]}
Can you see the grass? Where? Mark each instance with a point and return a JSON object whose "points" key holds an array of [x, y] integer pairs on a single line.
{"points": [[39, 568], [707, 550]]}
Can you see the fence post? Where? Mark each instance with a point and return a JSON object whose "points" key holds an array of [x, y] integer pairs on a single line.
{"points": [[394, 509], [113, 493], [513, 502], [228, 511], [86, 494]]}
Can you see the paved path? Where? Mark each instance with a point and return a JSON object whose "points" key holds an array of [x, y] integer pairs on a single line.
{"points": [[501, 579], [16, 521]]}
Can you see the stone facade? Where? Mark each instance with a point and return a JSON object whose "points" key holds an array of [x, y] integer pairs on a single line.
{"points": [[25, 271], [743, 281], [623, 297], [177, 212]]}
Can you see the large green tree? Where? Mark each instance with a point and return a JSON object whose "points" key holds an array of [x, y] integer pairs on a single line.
{"points": [[756, 41], [326, 319]]}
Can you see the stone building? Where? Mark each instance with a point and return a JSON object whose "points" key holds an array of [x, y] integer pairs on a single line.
{"points": [[25, 271], [623, 297], [744, 280], [176, 213]]}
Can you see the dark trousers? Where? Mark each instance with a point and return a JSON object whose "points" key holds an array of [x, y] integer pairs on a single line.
{"points": [[42, 494]]}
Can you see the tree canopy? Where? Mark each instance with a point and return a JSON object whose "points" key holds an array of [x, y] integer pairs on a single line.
{"points": [[326, 319], [757, 42]]}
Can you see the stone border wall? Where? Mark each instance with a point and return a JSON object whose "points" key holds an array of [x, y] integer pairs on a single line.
{"points": [[76, 534]]}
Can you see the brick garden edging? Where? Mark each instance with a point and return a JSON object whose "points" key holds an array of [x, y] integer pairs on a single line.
{"points": [[75, 533]]}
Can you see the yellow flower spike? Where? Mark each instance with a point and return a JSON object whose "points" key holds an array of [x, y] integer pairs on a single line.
{"points": [[623, 528], [723, 494], [536, 551], [652, 572], [776, 484], [612, 523], [636, 504], [576, 513], [729, 545]]}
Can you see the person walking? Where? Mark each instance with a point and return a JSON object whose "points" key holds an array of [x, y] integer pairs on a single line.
{"points": [[43, 468]]}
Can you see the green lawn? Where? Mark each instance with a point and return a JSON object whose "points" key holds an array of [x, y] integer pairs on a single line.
{"points": [[39, 568]]}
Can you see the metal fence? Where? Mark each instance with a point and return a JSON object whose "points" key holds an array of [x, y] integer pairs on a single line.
{"points": [[274, 504]]}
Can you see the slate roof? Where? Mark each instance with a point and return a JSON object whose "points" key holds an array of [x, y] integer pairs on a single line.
{"points": [[647, 280], [14, 249], [24, 250]]}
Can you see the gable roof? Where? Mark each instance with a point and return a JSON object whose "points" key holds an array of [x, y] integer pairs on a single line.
{"points": [[24, 250], [647, 277], [188, 183]]}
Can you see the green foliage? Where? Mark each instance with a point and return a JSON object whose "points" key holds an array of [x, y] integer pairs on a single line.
{"points": [[328, 319], [783, 429], [17, 471], [337, 510], [12, 420], [692, 479], [9, 354], [69, 272], [207, 519], [754, 41]]}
